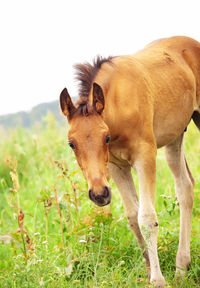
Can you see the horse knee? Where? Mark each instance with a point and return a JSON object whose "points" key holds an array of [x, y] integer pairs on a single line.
{"points": [[132, 219], [148, 221], [147, 217]]}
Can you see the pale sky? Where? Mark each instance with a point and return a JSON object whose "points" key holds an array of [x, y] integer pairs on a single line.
{"points": [[40, 40]]}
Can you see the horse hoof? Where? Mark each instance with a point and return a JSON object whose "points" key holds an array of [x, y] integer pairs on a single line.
{"points": [[180, 272], [159, 282]]}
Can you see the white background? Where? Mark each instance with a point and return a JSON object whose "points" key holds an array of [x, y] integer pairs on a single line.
{"points": [[40, 40]]}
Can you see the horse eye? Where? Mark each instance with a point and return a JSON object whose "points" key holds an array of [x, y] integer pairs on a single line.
{"points": [[108, 139], [72, 145]]}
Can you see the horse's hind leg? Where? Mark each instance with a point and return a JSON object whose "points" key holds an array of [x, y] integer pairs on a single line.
{"points": [[184, 184], [124, 181]]}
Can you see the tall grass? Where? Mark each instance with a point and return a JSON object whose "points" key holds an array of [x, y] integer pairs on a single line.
{"points": [[52, 235]]}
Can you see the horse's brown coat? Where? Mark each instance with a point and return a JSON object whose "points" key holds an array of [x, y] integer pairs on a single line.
{"points": [[144, 101]]}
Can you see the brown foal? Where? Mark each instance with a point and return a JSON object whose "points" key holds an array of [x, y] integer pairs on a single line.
{"points": [[129, 106]]}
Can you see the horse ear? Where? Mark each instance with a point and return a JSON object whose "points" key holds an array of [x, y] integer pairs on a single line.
{"points": [[98, 98], [66, 104]]}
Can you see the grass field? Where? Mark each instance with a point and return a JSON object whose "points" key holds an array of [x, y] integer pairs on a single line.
{"points": [[52, 235]]}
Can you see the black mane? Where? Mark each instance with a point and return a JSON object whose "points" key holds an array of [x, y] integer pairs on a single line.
{"points": [[85, 74]]}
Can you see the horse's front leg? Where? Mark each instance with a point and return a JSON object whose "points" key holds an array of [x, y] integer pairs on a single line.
{"points": [[146, 169], [124, 181]]}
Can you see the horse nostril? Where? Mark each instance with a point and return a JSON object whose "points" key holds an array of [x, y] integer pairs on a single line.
{"points": [[105, 192], [98, 198], [90, 194]]}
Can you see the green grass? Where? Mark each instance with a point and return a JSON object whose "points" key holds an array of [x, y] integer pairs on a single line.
{"points": [[68, 241]]}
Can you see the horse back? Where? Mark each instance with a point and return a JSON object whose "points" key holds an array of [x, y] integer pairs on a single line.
{"points": [[153, 92], [184, 51]]}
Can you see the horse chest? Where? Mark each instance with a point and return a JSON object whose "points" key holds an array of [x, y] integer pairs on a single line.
{"points": [[119, 155]]}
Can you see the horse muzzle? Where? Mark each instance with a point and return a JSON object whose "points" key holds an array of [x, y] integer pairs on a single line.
{"points": [[101, 199]]}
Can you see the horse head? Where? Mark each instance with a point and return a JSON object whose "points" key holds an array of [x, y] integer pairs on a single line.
{"points": [[89, 138]]}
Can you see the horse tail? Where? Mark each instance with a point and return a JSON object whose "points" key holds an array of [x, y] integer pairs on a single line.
{"points": [[196, 119]]}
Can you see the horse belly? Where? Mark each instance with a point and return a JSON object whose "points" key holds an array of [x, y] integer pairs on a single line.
{"points": [[172, 118]]}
